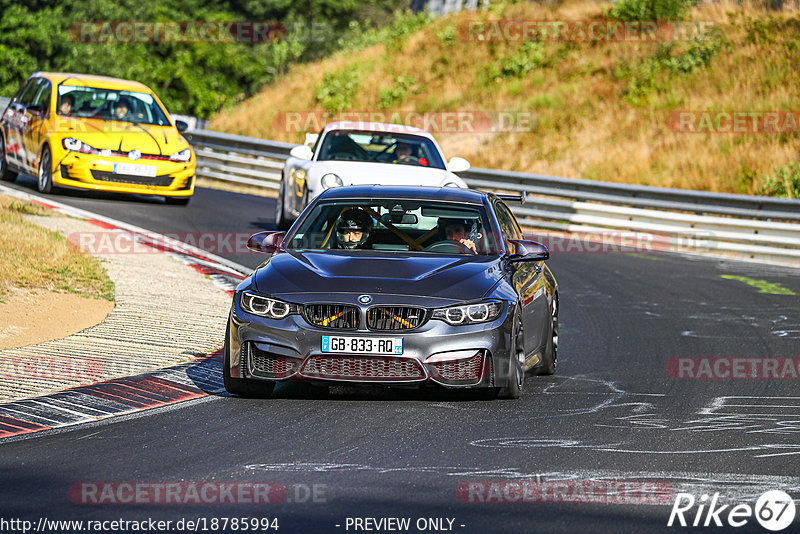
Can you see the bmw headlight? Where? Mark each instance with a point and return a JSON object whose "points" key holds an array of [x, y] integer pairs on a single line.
{"points": [[265, 307], [76, 145], [331, 180], [183, 155], [480, 312]]}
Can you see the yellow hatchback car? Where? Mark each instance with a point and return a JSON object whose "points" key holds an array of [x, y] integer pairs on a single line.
{"points": [[93, 132]]}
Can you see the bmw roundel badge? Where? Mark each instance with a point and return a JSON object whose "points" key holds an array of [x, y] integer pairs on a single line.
{"points": [[364, 299]]}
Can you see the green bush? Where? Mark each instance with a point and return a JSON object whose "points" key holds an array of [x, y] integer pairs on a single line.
{"points": [[336, 91], [520, 62], [447, 35], [700, 53], [651, 9], [785, 181], [651, 73], [396, 93]]}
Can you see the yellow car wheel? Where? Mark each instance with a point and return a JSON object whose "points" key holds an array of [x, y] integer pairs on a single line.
{"points": [[45, 181]]}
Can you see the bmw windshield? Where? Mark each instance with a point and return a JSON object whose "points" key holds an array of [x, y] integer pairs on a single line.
{"points": [[399, 225]]}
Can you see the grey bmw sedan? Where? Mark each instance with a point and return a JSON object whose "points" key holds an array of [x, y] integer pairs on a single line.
{"points": [[396, 286]]}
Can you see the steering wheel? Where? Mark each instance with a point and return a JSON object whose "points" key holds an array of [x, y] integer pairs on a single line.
{"points": [[408, 160], [448, 246]]}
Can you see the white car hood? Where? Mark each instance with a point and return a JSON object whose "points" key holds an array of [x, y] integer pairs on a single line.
{"points": [[360, 173]]}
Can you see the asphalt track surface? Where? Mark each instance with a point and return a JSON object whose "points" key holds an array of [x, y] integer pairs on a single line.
{"points": [[611, 413]]}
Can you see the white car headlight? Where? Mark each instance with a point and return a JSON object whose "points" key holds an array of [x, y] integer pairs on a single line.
{"points": [[265, 307], [480, 312], [183, 155], [331, 180]]}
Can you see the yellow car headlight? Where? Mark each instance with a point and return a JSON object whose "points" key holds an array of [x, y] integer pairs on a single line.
{"points": [[76, 145], [182, 156]]}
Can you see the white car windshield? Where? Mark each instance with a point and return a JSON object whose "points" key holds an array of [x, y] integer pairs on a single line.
{"points": [[381, 147], [110, 105]]}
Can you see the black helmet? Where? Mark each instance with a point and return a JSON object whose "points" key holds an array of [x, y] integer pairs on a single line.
{"points": [[353, 219]]}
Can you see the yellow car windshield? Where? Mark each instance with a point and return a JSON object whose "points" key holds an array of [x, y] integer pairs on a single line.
{"points": [[109, 104]]}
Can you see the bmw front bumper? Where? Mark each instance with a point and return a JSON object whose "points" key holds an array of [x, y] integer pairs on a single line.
{"points": [[476, 355]]}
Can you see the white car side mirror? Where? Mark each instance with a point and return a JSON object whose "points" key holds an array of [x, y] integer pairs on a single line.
{"points": [[301, 152], [458, 165]]}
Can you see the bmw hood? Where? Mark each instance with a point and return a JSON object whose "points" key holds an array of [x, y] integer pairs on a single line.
{"points": [[123, 136], [360, 173], [455, 278]]}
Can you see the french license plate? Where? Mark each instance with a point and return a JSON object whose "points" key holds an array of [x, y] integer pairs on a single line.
{"points": [[362, 345], [136, 170]]}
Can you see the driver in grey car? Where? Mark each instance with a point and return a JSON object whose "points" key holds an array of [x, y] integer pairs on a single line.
{"points": [[455, 230]]}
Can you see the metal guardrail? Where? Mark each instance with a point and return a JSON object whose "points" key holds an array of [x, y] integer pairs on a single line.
{"points": [[758, 227]]}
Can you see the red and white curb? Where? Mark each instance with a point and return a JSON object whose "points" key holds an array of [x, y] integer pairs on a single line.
{"points": [[85, 404]]}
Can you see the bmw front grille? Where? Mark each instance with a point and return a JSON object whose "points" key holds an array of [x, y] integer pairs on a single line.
{"points": [[380, 318], [395, 317], [334, 316]]}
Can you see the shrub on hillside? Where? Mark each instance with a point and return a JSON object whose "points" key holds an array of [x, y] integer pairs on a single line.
{"points": [[336, 91], [396, 93], [785, 182], [651, 9]]}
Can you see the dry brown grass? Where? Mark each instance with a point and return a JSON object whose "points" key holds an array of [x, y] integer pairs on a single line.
{"points": [[587, 127], [33, 257]]}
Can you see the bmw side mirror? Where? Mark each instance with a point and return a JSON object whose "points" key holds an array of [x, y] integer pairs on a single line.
{"points": [[181, 126], [267, 242], [458, 165], [301, 152], [528, 251]]}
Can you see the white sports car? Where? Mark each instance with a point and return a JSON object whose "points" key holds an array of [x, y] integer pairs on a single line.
{"points": [[348, 153]]}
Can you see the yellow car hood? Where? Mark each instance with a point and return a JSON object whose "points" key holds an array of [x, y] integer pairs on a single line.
{"points": [[123, 136]]}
